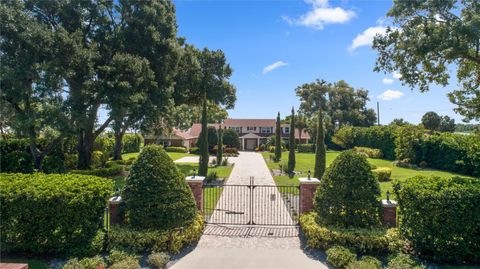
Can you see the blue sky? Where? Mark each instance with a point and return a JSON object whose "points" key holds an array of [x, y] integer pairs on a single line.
{"points": [[304, 40]]}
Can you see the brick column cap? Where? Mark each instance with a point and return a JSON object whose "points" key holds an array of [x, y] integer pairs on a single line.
{"points": [[194, 178], [115, 200], [306, 180], [389, 203]]}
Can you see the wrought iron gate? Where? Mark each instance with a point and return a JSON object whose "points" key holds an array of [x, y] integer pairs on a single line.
{"points": [[251, 204]]}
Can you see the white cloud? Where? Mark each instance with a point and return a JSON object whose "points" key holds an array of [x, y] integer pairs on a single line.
{"points": [[397, 75], [387, 81], [321, 15], [273, 66], [389, 95], [366, 38]]}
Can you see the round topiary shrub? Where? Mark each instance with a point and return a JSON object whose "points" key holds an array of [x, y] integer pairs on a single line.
{"points": [[348, 192], [340, 256], [156, 195]]}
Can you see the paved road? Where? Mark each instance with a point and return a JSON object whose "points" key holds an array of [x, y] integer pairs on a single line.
{"points": [[229, 247]]}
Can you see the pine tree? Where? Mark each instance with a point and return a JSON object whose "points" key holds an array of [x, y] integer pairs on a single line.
{"points": [[291, 152], [204, 158], [320, 154], [220, 146], [278, 141]]}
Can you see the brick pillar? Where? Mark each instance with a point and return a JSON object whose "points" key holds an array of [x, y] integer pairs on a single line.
{"points": [[196, 183], [389, 213], [114, 209], [308, 186]]}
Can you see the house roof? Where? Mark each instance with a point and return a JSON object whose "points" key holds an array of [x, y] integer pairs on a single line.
{"points": [[250, 122]]}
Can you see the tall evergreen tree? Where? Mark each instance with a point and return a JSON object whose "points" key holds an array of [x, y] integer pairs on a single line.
{"points": [[278, 141], [220, 146], [291, 152], [204, 158], [320, 154]]}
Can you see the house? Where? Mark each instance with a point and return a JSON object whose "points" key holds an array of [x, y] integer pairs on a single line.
{"points": [[252, 133]]}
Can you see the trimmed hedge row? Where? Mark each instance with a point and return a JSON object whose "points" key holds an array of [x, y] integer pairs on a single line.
{"points": [[307, 148], [113, 170], [441, 217], [363, 241], [52, 214], [176, 149]]}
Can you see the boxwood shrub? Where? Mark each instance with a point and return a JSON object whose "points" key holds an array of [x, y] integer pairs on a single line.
{"points": [[382, 173], [131, 143], [441, 217], [340, 257], [363, 241], [176, 149], [370, 152], [113, 170], [52, 214], [307, 148]]}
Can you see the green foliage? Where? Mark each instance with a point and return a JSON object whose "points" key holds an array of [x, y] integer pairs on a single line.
{"points": [[366, 262], [158, 260], [441, 217], [194, 150], [372, 241], [344, 137], [382, 173], [67, 210], [212, 176], [156, 194], [406, 142], [131, 143], [85, 263], [320, 150], [431, 121], [103, 144], [212, 136], [129, 262], [403, 261], [98, 159], [371, 153], [347, 194], [71, 161], [291, 144], [203, 142], [141, 241], [53, 164], [340, 257], [113, 170], [220, 146], [13, 145], [231, 139], [16, 162], [176, 149], [306, 148]]}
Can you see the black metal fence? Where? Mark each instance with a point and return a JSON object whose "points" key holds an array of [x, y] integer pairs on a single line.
{"points": [[251, 204]]}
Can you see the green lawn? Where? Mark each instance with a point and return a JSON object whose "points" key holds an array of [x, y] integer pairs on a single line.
{"points": [[173, 155], [32, 263], [305, 162]]}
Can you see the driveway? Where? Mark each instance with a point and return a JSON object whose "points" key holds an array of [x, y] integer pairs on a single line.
{"points": [[242, 246]]}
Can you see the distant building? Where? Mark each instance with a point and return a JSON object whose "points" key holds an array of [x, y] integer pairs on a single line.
{"points": [[252, 133]]}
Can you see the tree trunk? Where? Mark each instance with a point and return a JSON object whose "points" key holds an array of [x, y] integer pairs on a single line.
{"points": [[117, 151], [37, 157], [85, 149], [204, 158]]}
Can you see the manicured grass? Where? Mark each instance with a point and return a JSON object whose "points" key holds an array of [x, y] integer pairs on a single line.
{"points": [[32, 263], [210, 199], [223, 172], [173, 155], [305, 162]]}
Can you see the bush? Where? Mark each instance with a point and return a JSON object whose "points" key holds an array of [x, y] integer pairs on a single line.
{"points": [[363, 241], [231, 139], [382, 173], [71, 161], [158, 260], [156, 194], [366, 262], [344, 138], [14, 145], [17, 162], [212, 176], [131, 143], [195, 150], [141, 241], [53, 164], [231, 151], [98, 159], [85, 263], [116, 256], [176, 149], [407, 139], [441, 217], [52, 214], [340, 257], [403, 261], [307, 148], [347, 194], [127, 263], [105, 144], [371, 153], [113, 170]]}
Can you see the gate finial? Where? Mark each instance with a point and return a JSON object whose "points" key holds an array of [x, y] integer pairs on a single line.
{"points": [[309, 173]]}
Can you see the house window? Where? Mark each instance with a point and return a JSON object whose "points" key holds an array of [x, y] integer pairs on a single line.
{"points": [[251, 128], [237, 129], [286, 130], [266, 130]]}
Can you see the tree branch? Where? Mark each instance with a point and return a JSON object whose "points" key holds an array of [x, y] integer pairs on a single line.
{"points": [[102, 127]]}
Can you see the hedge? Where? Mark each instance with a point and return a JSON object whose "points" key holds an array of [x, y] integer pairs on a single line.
{"points": [[369, 152], [382, 173], [113, 170], [141, 241], [441, 217], [131, 143], [362, 241], [307, 148], [52, 214], [176, 149]]}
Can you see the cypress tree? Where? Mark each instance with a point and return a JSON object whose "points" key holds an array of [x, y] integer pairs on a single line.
{"points": [[278, 141], [320, 154], [220, 146], [291, 152], [203, 164]]}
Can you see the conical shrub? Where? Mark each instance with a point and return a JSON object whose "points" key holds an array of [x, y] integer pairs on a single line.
{"points": [[156, 195]]}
